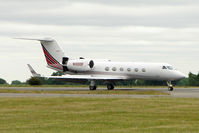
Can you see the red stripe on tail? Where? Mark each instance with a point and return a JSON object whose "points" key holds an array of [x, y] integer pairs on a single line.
{"points": [[52, 64], [50, 57]]}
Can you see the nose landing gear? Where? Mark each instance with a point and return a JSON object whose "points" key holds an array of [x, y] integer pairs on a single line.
{"points": [[170, 86]]}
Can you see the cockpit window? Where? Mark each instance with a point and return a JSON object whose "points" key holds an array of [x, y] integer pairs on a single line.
{"points": [[170, 67], [164, 67]]}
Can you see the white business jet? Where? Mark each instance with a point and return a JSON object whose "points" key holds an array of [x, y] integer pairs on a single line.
{"points": [[83, 70]]}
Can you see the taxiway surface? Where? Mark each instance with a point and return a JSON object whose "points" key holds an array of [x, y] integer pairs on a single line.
{"points": [[178, 92]]}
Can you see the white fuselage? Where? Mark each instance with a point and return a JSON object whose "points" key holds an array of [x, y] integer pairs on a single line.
{"points": [[132, 70]]}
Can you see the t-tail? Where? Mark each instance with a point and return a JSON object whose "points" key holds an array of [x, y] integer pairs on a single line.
{"points": [[53, 53]]}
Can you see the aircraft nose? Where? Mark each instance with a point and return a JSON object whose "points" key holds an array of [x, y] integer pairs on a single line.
{"points": [[180, 75]]}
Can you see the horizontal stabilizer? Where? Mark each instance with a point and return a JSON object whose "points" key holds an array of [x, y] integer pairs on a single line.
{"points": [[36, 39]]}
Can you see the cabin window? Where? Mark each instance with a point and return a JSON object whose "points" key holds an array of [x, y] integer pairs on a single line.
{"points": [[107, 68], [164, 67], [129, 69], [170, 67], [136, 69], [121, 69], [114, 69], [143, 70]]}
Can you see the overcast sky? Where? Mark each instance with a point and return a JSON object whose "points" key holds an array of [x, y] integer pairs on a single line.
{"points": [[120, 30]]}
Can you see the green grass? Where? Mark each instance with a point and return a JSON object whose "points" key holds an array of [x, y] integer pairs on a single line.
{"points": [[118, 92], [97, 115]]}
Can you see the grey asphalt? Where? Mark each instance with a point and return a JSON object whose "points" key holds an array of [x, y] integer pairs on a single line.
{"points": [[178, 92]]}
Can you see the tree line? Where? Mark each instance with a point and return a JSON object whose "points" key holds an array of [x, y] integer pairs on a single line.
{"points": [[192, 80]]}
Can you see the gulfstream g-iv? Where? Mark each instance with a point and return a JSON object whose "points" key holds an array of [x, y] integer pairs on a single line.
{"points": [[83, 70]]}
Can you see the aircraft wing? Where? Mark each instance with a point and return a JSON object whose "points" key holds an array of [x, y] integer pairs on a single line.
{"points": [[80, 78], [85, 78], [34, 74], [89, 77]]}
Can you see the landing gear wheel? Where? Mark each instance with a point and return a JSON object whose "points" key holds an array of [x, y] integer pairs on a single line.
{"points": [[110, 86], [170, 88], [92, 87]]}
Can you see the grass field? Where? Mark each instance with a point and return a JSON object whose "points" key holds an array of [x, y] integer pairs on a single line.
{"points": [[99, 115]]}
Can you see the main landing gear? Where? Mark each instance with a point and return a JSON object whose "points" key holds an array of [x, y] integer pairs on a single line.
{"points": [[110, 86], [170, 86], [93, 86]]}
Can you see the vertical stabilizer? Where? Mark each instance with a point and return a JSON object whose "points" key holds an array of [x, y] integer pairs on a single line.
{"points": [[52, 52]]}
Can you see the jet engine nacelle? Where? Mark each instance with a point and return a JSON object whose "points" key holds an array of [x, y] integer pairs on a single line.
{"points": [[80, 65]]}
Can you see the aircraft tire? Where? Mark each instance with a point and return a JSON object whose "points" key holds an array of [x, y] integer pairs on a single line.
{"points": [[92, 87], [110, 86], [170, 89]]}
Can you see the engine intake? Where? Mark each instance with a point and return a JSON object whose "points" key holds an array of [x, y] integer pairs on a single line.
{"points": [[64, 60], [64, 63]]}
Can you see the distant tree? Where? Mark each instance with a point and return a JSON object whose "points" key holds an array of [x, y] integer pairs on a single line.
{"points": [[58, 73], [34, 81], [126, 83], [183, 82], [45, 81], [193, 79], [154, 83], [139, 82], [57, 82], [16, 82], [3, 81]]}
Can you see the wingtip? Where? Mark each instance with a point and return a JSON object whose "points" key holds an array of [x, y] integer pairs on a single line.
{"points": [[34, 74]]}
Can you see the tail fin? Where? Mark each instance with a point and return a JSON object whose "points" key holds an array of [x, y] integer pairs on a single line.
{"points": [[52, 52], [34, 74]]}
